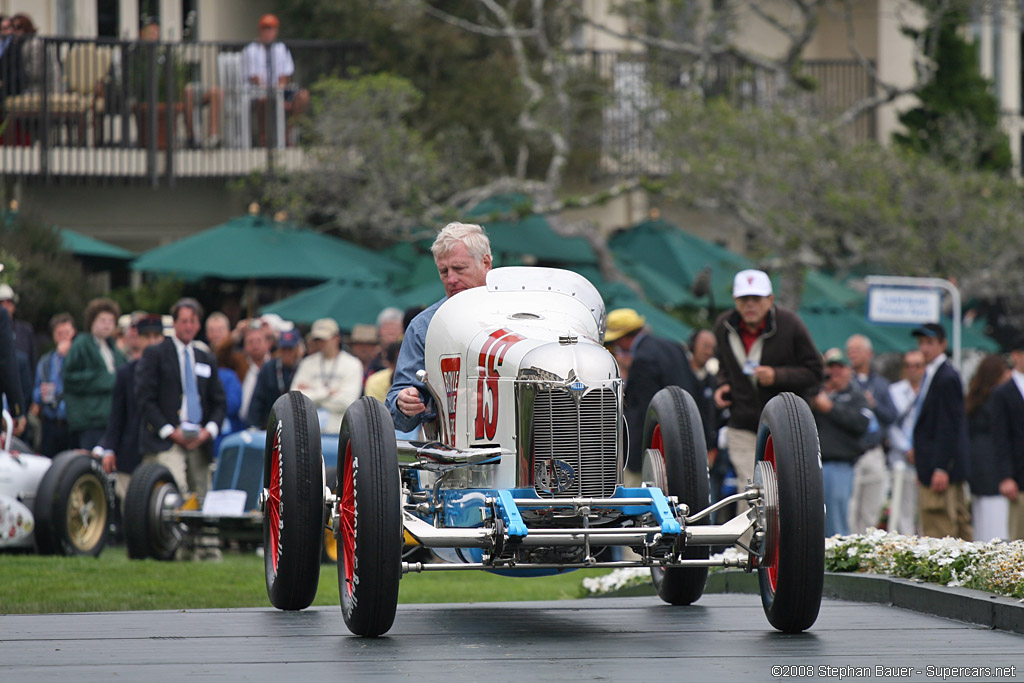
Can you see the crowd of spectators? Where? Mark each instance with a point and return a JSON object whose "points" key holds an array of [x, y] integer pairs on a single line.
{"points": [[118, 387], [919, 455]]}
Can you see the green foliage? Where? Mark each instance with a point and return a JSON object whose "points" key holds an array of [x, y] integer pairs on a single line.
{"points": [[47, 279], [806, 195], [373, 174], [154, 296], [847, 556], [474, 96], [958, 119]]}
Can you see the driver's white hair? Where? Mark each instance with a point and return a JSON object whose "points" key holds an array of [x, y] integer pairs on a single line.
{"points": [[469, 234]]}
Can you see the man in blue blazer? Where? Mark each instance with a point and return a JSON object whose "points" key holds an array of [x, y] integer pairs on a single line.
{"points": [[1008, 439], [167, 434], [941, 449]]}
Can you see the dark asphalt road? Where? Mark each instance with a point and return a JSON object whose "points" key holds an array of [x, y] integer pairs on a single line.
{"points": [[724, 637]]}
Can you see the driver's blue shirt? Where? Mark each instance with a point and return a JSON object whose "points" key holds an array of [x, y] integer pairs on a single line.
{"points": [[411, 360]]}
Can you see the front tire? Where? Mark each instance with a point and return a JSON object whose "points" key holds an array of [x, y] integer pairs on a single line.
{"points": [[369, 507], [293, 515], [152, 492], [673, 429], [791, 572], [71, 507]]}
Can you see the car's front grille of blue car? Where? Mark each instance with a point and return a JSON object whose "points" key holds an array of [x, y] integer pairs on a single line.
{"points": [[574, 444]]}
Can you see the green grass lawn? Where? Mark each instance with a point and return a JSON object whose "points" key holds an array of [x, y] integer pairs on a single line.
{"points": [[33, 584]]}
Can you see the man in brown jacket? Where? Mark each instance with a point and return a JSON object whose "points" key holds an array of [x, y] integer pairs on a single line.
{"points": [[763, 350]]}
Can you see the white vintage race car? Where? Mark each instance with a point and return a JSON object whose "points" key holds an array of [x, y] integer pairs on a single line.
{"points": [[522, 472], [57, 506]]}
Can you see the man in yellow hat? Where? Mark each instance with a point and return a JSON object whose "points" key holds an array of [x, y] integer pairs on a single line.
{"points": [[656, 363]]}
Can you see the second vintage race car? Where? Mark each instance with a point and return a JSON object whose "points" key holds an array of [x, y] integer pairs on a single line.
{"points": [[521, 471], [57, 506]]}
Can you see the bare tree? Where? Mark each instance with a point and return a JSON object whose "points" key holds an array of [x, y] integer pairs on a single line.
{"points": [[773, 168], [696, 38]]}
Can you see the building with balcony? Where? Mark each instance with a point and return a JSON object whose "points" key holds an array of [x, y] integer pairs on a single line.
{"points": [[136, 137], [139, 143]]}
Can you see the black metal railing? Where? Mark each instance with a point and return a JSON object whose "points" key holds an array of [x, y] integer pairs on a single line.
{"points": [[127, 111], [158, 112]]}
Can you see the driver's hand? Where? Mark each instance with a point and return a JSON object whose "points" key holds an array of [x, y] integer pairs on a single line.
{"points": [[409, 401]]}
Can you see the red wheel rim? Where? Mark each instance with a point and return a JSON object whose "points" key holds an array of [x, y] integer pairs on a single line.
{"points": [[656, 439], [347, 514], [772, 562], [274, 500]]}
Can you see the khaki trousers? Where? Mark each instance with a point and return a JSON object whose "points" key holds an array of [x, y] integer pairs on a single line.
{"points": [[1017, 519], [742, 447], [944, 514], [190, 468], [870, 484]]}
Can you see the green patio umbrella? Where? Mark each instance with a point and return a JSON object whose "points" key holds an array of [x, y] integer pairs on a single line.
{"points": [[256, 247], [824, 291], [618, 295], [349, 303], [530, 236], [832, 327], [424, 294], [658, 247], [83, 245]]}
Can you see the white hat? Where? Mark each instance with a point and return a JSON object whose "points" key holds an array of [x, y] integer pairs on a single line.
{"points": [[324, 328], [276, 323], [7, 293], [751, 283]]}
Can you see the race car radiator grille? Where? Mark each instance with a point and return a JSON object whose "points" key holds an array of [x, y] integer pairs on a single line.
{"points": [[574, 444]]}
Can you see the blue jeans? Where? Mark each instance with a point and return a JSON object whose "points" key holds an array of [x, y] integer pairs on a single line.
{"points": [[837, 478]]}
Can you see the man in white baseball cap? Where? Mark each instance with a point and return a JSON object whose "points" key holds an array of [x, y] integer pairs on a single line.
{"points": [[751, 283], [763, 350]]}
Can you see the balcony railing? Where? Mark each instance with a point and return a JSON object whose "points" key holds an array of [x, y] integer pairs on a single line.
{"points": [[147, 112], [156, 113]]}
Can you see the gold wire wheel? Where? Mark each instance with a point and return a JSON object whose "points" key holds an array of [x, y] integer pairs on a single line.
{"points": [[86, 512]]}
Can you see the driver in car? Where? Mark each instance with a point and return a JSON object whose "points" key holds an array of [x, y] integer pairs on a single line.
{"points": [[462, 253]]}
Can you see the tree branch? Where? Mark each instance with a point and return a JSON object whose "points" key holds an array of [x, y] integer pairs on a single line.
{"points": [[471, 26]]}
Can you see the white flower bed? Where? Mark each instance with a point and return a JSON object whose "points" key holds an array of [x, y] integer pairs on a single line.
{"points": [[634, 576], [994, 566], [617, 580]]}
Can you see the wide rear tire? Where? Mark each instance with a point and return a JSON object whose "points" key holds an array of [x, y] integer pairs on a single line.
{"points": [[72, 506], [673, 428], [791, 572], [293, 515], [369, 507], [152, 492]]}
